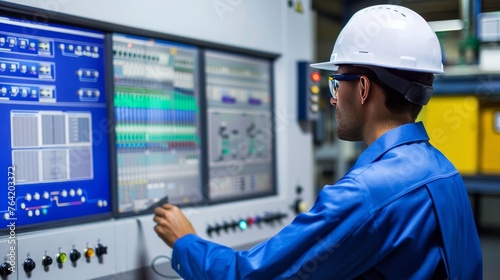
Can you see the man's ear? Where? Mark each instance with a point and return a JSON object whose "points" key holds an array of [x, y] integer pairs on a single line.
{"points": [[364, 89]]}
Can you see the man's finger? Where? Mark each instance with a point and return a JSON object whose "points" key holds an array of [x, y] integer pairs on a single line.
{"points": [[158, 219], [160, 211], [168, 206]]}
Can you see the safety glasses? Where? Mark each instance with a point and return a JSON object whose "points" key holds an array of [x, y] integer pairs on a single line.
{"points": [[334, 84]]}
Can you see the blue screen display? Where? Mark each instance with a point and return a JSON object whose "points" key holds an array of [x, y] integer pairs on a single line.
{"points": [[54, 147]]}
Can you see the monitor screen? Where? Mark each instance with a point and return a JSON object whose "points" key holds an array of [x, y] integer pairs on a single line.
{"points": [[239, 126], [54, 124], [157, 123]]}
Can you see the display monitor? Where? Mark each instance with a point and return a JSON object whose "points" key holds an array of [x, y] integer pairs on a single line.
{"points": [[54, 124], [239, 126], [156, 112]]}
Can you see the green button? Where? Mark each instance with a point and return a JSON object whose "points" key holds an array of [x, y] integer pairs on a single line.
{"points": [[61, 258]]}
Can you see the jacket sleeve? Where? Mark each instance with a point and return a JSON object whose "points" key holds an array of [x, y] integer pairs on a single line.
{"points": [[317, 243]]}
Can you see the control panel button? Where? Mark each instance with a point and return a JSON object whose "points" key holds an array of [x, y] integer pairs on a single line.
{"points": [[315, 90], [300, 206], [47, 260], [89, 253], [250, 221], [210, 229], [101, 250], [29, 264], [74, 255], [242, 224], [235, 224], [5, 269], [226, 226], [61, 258]]}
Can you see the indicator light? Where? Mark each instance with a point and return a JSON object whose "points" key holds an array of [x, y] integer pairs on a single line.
{"points": [[308, 88], [242, 224], [315, 77], [250, 221], [61, 258], [315, 89], [89, 253]]}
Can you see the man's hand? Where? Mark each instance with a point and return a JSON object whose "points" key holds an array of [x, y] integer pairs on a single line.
{"points": [[171, 224]]}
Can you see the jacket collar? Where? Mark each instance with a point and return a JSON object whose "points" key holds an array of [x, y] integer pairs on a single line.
{"points": [[407, 133]]}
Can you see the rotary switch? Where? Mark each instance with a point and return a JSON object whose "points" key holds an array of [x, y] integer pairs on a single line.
{"points": [[5, 269], [29, 264], [101, 250], [47, 260], [74, 255]]}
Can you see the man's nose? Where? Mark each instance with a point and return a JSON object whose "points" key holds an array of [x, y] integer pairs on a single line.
{"points": [[333, 101]]}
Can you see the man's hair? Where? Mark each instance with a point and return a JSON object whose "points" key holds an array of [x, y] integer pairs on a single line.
{"points": [[395, 102]]}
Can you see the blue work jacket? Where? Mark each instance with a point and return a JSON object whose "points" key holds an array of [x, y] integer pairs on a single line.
{"points": [[402, 212]]}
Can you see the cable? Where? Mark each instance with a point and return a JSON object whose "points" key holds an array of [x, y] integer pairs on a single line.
{"points": [[153, 261]]}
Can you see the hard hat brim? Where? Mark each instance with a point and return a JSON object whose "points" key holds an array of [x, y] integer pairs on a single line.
{"points": [[325, 66], [334, 66]]}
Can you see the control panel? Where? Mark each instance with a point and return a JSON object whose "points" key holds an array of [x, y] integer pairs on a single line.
{"points": [[105, 121], [78, 253], [308, 92], [8, 256], [265, 219]]}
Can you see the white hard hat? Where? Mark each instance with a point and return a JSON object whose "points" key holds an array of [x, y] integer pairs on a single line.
{"points": [[387, 36]]}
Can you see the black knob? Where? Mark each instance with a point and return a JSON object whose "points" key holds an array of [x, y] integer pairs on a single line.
{"points": [[268, 218], [47, 260], [74, 255], [226, 226], [234, 224], [298, 189], [5, 269], [101, 250], [209, 230], [217, 228], [29, 264], [281, 216]]}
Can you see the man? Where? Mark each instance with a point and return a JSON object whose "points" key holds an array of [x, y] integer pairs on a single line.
{"points": [[402, 211]]}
